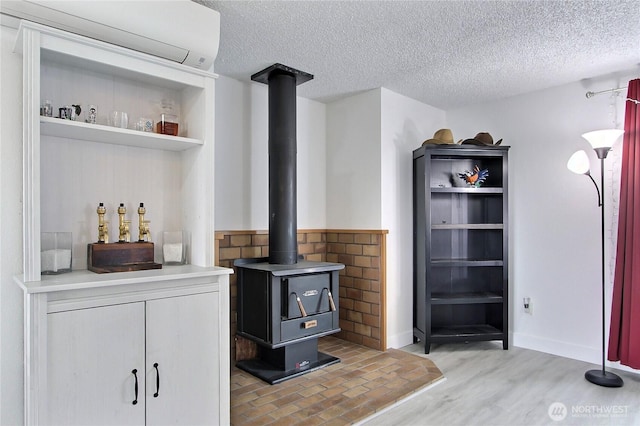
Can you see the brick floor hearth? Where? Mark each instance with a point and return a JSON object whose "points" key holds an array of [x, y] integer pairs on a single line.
{"points": [[363, 383]]}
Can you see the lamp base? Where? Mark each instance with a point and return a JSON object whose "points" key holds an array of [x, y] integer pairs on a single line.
{"points": [[604, 378]]}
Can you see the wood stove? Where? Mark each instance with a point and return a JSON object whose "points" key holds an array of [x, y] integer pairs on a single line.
{"points": [[285, 303], [285, 309]]}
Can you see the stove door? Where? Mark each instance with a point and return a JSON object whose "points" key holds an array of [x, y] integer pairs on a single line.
{"points": [[313, 292]]}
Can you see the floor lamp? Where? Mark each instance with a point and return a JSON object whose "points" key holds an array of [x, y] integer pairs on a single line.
{"points": [[601, 141]]}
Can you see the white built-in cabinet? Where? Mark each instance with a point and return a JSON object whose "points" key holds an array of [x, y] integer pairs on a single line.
{"points": [[139, 360], [85, 333]]}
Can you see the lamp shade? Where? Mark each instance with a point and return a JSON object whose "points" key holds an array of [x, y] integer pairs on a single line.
{"points": [[579, 163], [603, 138]]}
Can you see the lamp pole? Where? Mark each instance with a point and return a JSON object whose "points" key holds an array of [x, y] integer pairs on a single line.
{"points": [[602, 377]]}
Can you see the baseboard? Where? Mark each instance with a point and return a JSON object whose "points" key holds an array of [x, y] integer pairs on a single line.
{"points": [[400, 340], [566, 350]]}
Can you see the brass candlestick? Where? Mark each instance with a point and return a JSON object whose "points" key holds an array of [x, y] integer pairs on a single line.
{"points": [[123, 225], [144, 233], [103, 226]]}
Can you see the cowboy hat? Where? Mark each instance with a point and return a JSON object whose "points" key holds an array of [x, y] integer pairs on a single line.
{"points": [[441, 137], [482, 138]]}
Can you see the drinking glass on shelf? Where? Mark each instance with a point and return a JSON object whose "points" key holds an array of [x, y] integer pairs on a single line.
{"points": [[144, 124], [92, 114], [47, 109], [119, 119]]}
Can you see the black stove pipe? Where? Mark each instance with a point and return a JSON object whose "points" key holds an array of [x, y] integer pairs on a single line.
{"points": [[283, 220]]}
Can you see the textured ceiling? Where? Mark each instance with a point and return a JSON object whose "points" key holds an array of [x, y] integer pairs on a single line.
{"points": [[443, 53]]}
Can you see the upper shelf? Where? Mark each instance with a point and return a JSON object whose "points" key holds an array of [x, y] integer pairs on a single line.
{"points": [[113, 135]]}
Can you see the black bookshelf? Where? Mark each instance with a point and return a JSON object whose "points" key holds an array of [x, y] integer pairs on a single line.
{"points": [[460, 245]]}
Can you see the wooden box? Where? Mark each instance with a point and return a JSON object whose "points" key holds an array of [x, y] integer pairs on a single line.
{"points": [[120, 257]]}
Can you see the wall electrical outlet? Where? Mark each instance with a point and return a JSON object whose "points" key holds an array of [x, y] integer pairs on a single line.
{"points": [[526, 304]]}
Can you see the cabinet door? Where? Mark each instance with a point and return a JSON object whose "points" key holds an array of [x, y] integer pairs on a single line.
{"points": [[92, 353], [182, 339]]}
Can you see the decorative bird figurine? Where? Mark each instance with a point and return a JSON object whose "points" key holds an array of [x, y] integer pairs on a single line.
{"points": [[475, 177]]}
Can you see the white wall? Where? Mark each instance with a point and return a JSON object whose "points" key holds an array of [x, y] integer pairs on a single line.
{"points": [[406, 123], [555, 220], [11, 340], [232, 168], [371, 138], [354, 177], [312, 164], [242, 158]]}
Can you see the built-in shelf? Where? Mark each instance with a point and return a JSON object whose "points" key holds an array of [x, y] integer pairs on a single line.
{"points": [[115, 320], [114, 135]]}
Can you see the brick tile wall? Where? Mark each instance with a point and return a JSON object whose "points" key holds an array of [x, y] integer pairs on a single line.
{"points": [[362, 282], [361, 285]]}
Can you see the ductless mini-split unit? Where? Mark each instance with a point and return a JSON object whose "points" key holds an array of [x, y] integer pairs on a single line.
{"points": [[181, 30]]}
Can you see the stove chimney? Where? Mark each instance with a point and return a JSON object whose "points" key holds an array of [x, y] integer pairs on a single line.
{"points": [[283, 222], [285, 309]]}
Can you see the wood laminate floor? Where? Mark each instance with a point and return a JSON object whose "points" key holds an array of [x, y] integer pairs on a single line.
{"points": [[486, 385]]}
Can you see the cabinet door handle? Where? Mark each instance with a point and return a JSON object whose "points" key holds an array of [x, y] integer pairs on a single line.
{"points": [[155, 395], [134, 372]]}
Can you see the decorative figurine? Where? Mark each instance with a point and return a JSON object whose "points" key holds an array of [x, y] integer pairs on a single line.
{"points": [[474, 178], [123, 225], [144, 234], [103, 227]]}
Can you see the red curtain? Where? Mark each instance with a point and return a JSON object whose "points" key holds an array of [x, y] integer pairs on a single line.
{"points": [[624, 334]]}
